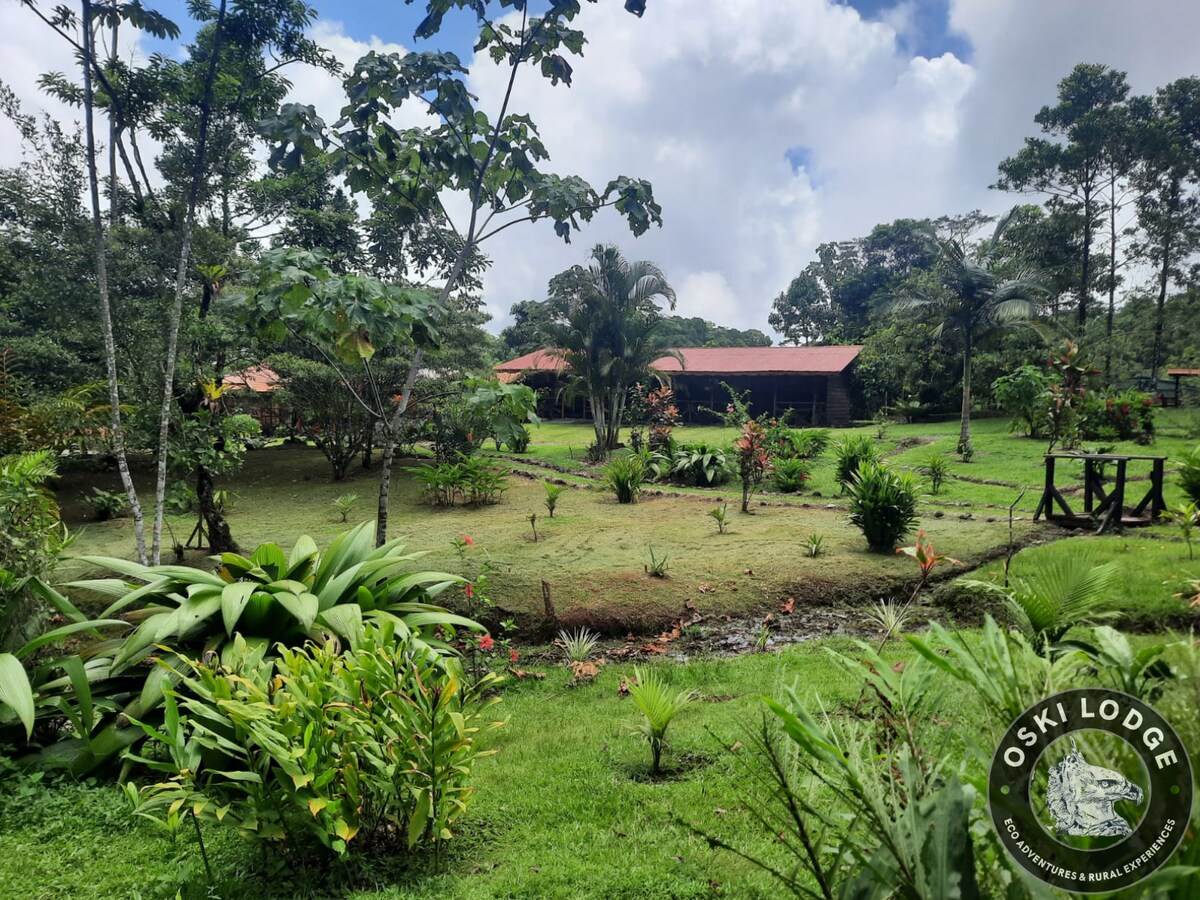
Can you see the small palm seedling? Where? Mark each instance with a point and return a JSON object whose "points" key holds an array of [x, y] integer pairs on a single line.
{"points": [[533, 525], [106, 504], [553, 492], [659, 706], [814, 546], [578, 644], [658, 565], [1186, 517], [344, 504], [721, 515], [891, 616], [936, 468]]}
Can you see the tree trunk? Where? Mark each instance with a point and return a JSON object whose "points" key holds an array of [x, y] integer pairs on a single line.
{"points": [[1086, 267], [220, 540], [106, 327], [181, 273], [1160, 315], [964, 434], [1112, 278]]}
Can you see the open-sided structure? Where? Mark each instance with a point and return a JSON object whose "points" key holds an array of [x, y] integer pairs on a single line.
{"points": [[813, 382]]}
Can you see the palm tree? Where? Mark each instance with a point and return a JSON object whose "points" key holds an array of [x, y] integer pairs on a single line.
{"points": [[608, 334], [972, 297]]}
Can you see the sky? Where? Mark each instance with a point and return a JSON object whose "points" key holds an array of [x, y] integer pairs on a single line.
{"points": [[766, 126]]}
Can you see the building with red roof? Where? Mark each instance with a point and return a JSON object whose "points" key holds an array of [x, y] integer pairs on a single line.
{"points": [[812, 382]]}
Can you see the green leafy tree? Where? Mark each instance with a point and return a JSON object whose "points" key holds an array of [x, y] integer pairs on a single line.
{"points": [[608, 334], [493, 160], [1071, 164], [970, 298]]}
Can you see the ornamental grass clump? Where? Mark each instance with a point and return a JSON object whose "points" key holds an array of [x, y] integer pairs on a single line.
{"points": [[883, 504], [791, 475], [624, 476], [659, 706]]}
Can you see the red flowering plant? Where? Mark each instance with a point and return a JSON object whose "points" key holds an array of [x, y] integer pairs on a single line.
{"points": [[891, 614], [654, 410], [754, 460], [488, 649]]}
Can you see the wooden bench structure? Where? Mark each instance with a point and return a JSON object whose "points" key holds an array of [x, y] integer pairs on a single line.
{"points": [[1104, 504]]}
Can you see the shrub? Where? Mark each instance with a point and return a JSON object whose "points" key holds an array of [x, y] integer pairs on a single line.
{"points": [[700, 464], [106, 505], [624, 475], [517, 440], [458, 429], [1024, 394], [852, 452], [1189, 473], [472, 480], [268, 598], [753, 459], [374, 743], [802, 443], [883, 504], [937, 469], [659, 706], [791, 474], [1123, 415]]}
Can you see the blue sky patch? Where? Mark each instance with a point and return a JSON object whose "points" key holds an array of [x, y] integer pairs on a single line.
{"points": [[930, 35]]}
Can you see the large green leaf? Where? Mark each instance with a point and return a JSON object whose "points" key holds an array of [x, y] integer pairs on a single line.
{"points": [[233, 600], [15, 690], [303, 607], [57, 634]]}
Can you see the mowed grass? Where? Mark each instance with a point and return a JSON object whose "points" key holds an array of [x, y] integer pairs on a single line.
{"points": [[565, 808], [594, 552]]}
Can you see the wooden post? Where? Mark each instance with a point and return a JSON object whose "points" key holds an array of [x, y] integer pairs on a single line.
{"points": [[1047, 503], [1157, 503], [1088, 473]]}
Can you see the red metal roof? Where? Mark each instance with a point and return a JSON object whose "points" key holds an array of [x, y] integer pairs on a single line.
{"points": [[719, 361], [258, 379]]}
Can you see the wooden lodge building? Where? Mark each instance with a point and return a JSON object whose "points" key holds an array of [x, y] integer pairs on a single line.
{"points": [[813, 382]]}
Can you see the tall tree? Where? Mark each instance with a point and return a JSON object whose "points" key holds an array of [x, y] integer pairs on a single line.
{"points": [[1167, 181], [970, 298], [802, 313], [1072, 162], [608, 333], [493, 161]]}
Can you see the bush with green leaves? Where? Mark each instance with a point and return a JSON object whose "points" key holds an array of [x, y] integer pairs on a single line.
{"points": [[474, 481], [360, 745], [1024, 394], [883, 505], [106, 505], [458, 429], [517, 440], [1189, 473], [268, 598], [700, 464], [936, 469], [624, 475], [791, 475], [802, 443], [850, 453], [659, 705]]}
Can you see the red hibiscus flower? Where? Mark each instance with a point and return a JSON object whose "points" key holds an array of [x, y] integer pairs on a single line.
{"points": [[486, 643]]}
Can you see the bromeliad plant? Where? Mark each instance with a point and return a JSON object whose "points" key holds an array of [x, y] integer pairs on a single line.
{"points": [[375, 742], [624, 476], [268, 599], [883, 504], [851, 454]]}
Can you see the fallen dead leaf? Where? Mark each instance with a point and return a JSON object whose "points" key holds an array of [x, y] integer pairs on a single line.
{"points": [[719, 811], [789, 606], [705, 589], [735, 746], [747, 571], [584, 671], [678, 859], [768, 618], [689, 604], [899, 667]]}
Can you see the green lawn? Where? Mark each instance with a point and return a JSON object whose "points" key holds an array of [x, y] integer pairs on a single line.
{"points": [[564, 809]]}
